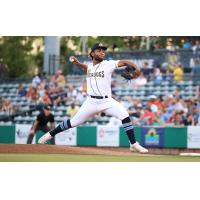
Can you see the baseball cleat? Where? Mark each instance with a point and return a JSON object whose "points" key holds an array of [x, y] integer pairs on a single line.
{"points": [[136, 147], [44, 138]]}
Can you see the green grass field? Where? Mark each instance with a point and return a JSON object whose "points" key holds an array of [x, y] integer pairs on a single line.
{"points": [[14, 157]]}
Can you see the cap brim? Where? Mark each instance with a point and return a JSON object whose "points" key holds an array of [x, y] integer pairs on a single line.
{"points": [[103, 47], [47, 108]]}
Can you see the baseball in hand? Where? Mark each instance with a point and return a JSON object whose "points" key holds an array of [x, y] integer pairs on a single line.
{"points": [[71, 59]]}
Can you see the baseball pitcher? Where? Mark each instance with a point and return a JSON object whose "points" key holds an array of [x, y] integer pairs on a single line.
{"points": [[99, 97]]}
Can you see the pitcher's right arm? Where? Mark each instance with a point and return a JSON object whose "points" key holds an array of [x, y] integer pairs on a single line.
{"points": [[75, 61]]}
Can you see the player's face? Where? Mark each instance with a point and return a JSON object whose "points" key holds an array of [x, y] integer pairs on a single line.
{"points": [[99, 54], [47, 112]]}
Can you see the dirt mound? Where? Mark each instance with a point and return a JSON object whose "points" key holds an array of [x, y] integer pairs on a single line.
{"points": [[59, 149]]}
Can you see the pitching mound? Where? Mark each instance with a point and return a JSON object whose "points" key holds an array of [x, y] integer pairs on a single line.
{"points": [[59, 149]]}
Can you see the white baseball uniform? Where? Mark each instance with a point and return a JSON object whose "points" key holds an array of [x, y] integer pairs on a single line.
{"points": [[99, 85]]}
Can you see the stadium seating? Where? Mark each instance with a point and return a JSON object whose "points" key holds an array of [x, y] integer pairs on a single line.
{"points": [[122, 89]]}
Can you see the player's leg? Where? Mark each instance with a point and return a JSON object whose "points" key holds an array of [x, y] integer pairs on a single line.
{"points": [[118, 111], [86, 110], [30, 136], [47, 129]]}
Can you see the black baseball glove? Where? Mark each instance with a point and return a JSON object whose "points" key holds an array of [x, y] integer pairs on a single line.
{"points": [[130, 73]]}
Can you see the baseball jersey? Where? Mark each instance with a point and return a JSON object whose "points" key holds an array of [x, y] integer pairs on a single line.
{"points": [[99, 77], [43, 120]]}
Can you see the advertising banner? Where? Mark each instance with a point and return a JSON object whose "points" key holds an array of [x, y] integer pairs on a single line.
{"points": [[68, 137], [21, 133], [108, 136], [152, 136], [193, 137]]}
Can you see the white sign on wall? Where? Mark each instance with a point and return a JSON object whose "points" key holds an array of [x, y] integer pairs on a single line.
{"points": [[21, 133], [193, 137], [108, 136], [67, 137]]}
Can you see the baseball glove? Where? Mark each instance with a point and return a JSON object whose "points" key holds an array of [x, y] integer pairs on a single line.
{"points": [[130, 73]]}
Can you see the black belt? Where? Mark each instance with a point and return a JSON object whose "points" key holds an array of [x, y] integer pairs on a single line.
{"points": [[98, 97]]}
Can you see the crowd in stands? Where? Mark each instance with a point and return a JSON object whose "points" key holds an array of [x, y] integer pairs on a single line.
{"points": [[54, 91], [170, 110], [187, 43]]}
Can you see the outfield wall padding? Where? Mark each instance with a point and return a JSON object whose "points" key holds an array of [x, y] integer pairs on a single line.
{"points": [[175, 137], [7, 134]]}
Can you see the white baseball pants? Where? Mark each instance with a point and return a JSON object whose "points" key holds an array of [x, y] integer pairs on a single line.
{"points": [[93, 106]]}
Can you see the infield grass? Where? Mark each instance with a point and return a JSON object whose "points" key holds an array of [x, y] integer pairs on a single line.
{"points": [[16, 157]]}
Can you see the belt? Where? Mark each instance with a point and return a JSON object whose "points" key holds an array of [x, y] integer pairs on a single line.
{"points": [[98, 97]]}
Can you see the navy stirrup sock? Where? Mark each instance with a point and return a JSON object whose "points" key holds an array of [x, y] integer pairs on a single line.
{"points": [[64, 125], [128, 127]]}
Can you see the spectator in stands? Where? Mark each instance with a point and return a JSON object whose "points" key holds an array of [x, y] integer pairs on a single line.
{"points": [[176, 119], [191, 105], [21, 91], [169, 74], [170, 105], [136, 112], [196, 47], [196, 71], [72, 110], [148, 116], [71, 93], [41, 89], [180, 106], [139, 82], [44, 99], [43, 76], [7, 106], [157, 76], [163, 115], [29, 93], [52, 86], [158, 119], [146, 70], [161, 102], [156, 45], [41, 123], [189, 120], [136, 115], [170, 46], [36, 81], [32, 94], [60, 80], [186, 43], [178, 73], [153, 101]]}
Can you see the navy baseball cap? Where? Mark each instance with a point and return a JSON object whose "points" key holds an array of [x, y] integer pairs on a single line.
{"points": [[98, 46], [47, 107]]}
